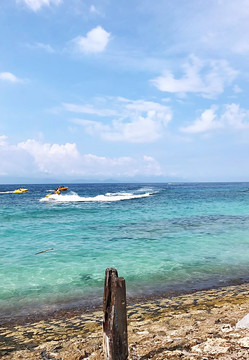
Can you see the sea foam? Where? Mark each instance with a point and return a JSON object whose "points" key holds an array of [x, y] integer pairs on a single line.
{"points": [[108, 197]]}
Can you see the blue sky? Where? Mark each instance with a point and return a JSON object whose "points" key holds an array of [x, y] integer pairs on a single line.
{"points": [[130, 90]]}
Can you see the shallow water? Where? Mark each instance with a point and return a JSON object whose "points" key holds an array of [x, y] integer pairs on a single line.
{"points": [[160, 237]]}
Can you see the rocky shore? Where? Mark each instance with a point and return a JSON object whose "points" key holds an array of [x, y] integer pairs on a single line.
{"points": [[197, 326]]}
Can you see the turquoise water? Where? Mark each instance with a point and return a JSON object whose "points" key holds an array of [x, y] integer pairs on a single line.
{"points": [[160, 237]]}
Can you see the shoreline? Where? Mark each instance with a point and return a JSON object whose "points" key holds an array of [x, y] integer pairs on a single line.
{"points": [[158, 328], [76, 307]]}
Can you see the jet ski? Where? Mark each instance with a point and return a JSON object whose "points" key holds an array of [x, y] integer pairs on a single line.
{"points": [[57, 191], [62, 188], [20, 191]]}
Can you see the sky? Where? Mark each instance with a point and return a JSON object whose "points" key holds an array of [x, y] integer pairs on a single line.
{"points": [[127, 90]]}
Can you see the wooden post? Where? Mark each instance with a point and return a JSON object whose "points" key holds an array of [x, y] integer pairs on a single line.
{"points": [[115, 343]]}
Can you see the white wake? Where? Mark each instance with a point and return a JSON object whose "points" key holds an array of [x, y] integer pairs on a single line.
{"points": [[108, 197]]}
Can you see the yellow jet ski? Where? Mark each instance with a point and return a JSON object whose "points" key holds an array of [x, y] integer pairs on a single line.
{"points": [[20, 191], [62, 188], [58, 191]]}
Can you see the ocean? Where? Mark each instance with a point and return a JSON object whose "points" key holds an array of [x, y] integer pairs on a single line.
{"points": [[160, 237]]}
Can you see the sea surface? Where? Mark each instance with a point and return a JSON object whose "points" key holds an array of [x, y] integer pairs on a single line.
{"points": [[160, 238]]}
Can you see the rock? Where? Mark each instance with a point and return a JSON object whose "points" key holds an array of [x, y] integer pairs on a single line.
{"points": [[243, 323], [244, 342], [226, 328], [212, 346], [145, 332]]}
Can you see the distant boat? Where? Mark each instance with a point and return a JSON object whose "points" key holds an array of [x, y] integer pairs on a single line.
{"points": [[20, 191]]}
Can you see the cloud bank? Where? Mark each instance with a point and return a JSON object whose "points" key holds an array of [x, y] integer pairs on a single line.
{"points": [[33, 158]]}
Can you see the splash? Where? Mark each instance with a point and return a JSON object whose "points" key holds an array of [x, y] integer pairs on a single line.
{"points": [[108, 197]]}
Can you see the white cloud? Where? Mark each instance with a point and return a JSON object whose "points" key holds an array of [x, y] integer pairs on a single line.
{"points": [[229, 26], [49, 157], [36, 5], [241, 47], [237, 89], [205, 123], [92, 127], [33, 158], [40, 46], [94, 10], [233, 117], [88, 109], [14, 161], [95, 41], [3, 140], [139, 121], [236, 117], [7, 76], [152, 167], [206, 78], [220, 26]]}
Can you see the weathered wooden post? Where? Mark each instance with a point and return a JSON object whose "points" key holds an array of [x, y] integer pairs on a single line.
{"points": [[115, 342]]}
